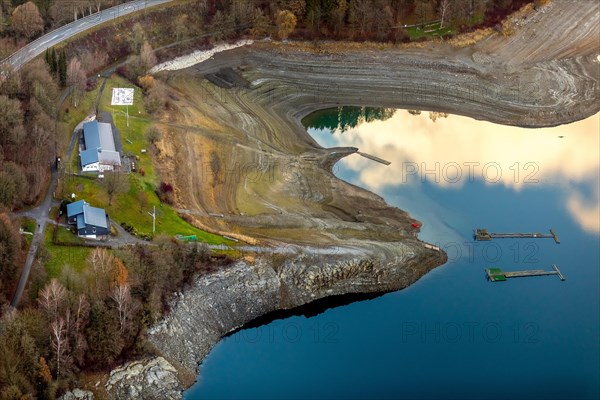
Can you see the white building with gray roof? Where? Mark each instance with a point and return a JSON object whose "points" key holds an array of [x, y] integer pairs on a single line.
{"points": [[100, 154]]}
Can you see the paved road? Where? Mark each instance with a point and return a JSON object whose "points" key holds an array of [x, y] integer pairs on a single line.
{"points": [[53, 38], [40, 214]]}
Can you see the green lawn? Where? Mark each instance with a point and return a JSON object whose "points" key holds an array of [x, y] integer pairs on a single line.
{"points": [[428, 30], [28, 225], [127, 207], [69, 120], [64, 235], [59, 256]]}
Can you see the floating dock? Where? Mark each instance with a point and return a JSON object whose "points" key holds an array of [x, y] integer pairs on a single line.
{"points": [[497, 275], [483, 234], [374, 158]]}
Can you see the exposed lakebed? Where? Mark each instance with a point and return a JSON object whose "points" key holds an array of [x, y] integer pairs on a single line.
{"points": [[452, 334]]}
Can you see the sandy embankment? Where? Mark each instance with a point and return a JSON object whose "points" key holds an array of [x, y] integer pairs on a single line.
{"points": [[196, 57]]}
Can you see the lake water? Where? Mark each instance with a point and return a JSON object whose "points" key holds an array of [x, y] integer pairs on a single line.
{"points": [[452, 334]]}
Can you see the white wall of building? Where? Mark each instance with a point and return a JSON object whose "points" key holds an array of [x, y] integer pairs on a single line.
{"points": [[95, 167]]}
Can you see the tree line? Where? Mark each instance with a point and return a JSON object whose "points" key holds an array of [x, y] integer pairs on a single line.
{"points": [[27, 132], [29, 142], [377, 20], [28, 129], [346, 117]]}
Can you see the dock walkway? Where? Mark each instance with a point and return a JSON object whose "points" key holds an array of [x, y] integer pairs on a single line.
{"points": [[483, 235], [497, 275], [374, 158]]}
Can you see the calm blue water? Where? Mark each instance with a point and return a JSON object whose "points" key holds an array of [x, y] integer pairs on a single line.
{"points": [[452, 334]]}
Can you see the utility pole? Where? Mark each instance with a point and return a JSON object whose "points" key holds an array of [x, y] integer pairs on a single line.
{"points": [[153, 215]]}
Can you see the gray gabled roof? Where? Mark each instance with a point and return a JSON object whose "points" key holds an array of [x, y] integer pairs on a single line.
{"points": [[98, 134], [108, 157], [99, 144], [87, 215], [75, 208], [94, 216], [107, 141]]}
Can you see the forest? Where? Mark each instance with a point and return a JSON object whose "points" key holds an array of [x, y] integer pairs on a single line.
{"points": [[94, 316]]}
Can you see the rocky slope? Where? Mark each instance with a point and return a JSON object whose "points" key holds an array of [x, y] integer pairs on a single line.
{"points": [[226, 300]]}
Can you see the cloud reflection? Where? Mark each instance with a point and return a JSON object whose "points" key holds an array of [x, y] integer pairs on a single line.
{"points": [[454, 150]]}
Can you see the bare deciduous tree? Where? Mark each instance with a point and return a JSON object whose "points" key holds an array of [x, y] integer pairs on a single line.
{"points": [[52, 298], [101, 263], [154, 99], [121, 294], [338, 16], [92, 61], [444, 8], [11, 123], [60, 344], [114, 182], [137, 38], [81, 311], [360, 15], [76, 80], [147, 57], [181, 29]]}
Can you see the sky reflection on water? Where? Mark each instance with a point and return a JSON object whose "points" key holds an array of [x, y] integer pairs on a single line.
{"points": [[455, 150]]}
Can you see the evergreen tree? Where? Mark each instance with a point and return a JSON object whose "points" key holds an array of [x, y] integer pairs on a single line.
{"points": [[62, 68], [52, 61]]}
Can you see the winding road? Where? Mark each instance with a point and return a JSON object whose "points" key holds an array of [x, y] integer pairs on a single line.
{"points": [[38, 46]]}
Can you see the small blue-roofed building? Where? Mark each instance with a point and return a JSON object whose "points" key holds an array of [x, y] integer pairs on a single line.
{"points": [[100, 153], [90, 222]]}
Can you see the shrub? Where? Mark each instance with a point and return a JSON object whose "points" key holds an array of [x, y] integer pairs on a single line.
{"points": [[122, 71], [153, 134], [147, 82], [165, 193], [155, 99], [166, 187], [91, 84]]}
